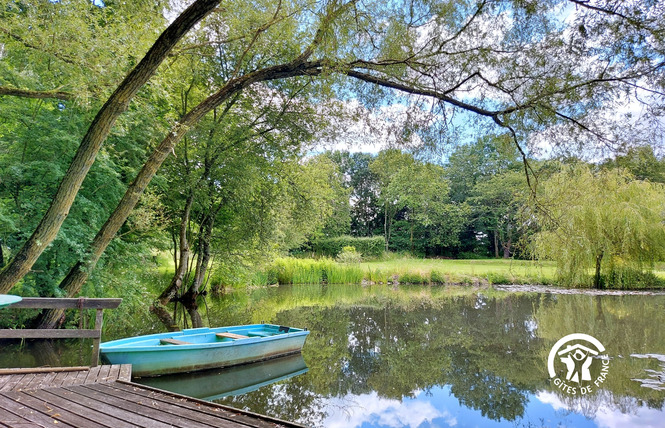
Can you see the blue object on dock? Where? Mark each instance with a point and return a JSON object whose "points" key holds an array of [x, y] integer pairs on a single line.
{"points": [[8, 299], [203, 348]]}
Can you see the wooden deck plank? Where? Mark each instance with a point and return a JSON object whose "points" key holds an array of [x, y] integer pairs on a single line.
{"points": [[93, 398], [198, 416], [145, 409], [114, 372], [180, 402], [25, 381], [61, 414], [25, 424], [236, 415], [103, 373], [69, 379], [203, 417], [67, 399], [62, 376], [8, 382], [125, 372], [27, 413], [59, 379], [7, 418], [81, 376], [124, 413], [38, 380]]}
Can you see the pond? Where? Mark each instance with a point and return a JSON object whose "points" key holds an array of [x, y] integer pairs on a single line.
{"points": [[406, 356]]}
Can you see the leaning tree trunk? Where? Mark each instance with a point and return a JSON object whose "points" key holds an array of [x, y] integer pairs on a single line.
{"points": [[80, 271], [99, 129]]}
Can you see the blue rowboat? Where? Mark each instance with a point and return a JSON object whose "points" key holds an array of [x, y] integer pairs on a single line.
{"points": [[8, 299], [202, 348]]}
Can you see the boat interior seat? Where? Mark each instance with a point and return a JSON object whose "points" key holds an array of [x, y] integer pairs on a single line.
{"points": [[173, 342], [231, 336]]}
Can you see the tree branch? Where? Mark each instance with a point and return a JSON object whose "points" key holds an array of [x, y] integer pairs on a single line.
{"points": [[28, 93]]}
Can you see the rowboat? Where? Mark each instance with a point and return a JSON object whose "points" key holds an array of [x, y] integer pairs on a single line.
{"points": [[203, 348], [8, 299]]}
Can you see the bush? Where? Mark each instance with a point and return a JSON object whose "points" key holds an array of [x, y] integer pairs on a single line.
{"points": [[331, 247], [498, 278], [626, 279], [412, 278], [437, 277], [349, 255]]}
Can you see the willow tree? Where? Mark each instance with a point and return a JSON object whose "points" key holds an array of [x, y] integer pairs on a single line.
{"points": [[600, 227], [99, 129], [543, 71]]}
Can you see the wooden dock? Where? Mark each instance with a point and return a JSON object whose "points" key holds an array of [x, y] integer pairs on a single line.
{"points": [[103, 396]]}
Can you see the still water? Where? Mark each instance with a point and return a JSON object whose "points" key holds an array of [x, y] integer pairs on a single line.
{"points": [[440, 357]]}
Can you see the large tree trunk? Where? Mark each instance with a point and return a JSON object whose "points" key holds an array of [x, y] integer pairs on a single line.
{"points": [[99, 129], [79, 273]]}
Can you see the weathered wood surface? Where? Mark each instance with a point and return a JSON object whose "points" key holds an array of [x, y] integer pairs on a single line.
{"points": [[231, 336], [81, 303], [118, 405], [41, 378], [66, 303]]}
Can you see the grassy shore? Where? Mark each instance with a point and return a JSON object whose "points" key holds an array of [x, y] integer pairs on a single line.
{"points": [[397, 269], [406, 270], [494, 271]]}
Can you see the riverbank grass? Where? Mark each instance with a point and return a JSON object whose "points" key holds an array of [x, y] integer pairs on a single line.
{"points": [[406, 270]]}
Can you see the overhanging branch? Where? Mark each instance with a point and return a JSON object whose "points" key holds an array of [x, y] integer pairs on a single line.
{"points": [[28, 93]]}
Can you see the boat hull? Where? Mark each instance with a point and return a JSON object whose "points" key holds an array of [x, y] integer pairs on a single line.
{"points": [[202, 349]]}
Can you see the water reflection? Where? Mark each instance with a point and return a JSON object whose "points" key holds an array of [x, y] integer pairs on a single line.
{"points": [[421, 356], [218, 383]]}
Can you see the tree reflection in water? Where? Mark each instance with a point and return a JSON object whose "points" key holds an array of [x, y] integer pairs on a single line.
{"points": [[434, 356], [487, 349]]}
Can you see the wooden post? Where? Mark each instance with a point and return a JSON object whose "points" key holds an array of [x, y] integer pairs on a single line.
{"points": [[99, 321]]}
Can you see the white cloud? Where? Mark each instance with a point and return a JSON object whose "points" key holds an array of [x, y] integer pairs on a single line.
{"points": [[358, 409], [606, 416]]}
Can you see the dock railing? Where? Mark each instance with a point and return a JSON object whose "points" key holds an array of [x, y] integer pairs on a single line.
{"points": [[64, 303]]}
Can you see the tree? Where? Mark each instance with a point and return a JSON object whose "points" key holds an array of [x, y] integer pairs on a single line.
{"points": [[496, 203], [604, 221], [386, 166], [423, 191], [530, 71], [365, 211], [99, 129], [642, 162]]}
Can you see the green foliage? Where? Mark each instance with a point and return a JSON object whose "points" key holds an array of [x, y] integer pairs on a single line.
{"points": [[413, 278], [363, 186], [600, 226], [437, 278], [349, 255], [332, 247]]}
